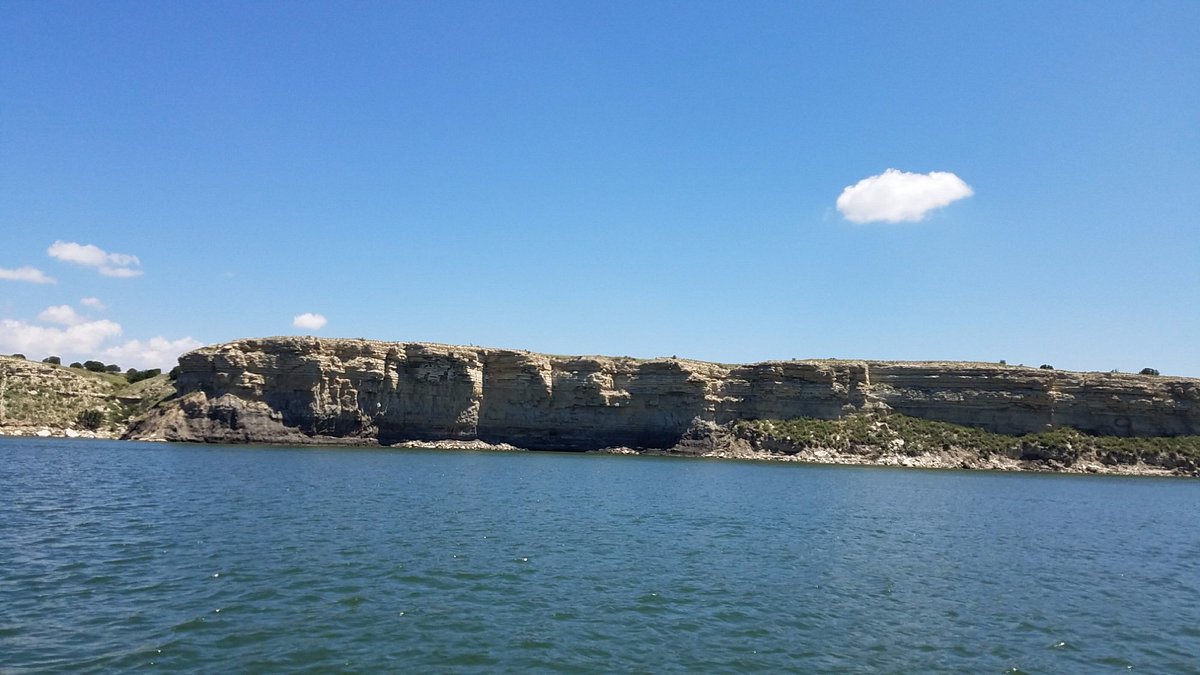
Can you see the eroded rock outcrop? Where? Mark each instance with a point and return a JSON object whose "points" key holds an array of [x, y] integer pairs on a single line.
{"points": [[289, 389]]}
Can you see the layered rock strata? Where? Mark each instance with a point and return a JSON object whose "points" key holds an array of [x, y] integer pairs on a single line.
{"points": [[313, 390]]}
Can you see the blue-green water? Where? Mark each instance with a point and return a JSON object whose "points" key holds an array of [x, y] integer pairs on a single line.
{"points": [[116, 556]]}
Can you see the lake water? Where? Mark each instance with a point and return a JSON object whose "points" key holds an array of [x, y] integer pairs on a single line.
{"points": [[116, 556]]}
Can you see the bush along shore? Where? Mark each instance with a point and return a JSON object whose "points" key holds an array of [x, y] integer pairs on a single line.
{"points": [[899, 440]]}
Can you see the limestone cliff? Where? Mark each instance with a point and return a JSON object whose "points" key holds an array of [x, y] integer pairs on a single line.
{"points": [[309, 389]]}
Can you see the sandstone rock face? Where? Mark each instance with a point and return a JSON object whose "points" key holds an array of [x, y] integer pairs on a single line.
{"points": [[284, 389]]}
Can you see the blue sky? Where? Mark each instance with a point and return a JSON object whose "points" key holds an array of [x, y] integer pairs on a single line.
{"points": [[623, 178]]}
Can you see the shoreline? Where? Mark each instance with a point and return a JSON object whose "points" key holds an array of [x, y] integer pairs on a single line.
{"points": [[49, 431], [870, 456], [962, 460]]}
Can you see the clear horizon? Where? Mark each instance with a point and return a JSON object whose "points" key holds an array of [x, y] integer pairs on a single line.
{"points": [[716, 181]]}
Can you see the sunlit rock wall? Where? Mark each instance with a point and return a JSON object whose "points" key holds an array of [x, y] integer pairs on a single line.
{"points": [[281, 389]]}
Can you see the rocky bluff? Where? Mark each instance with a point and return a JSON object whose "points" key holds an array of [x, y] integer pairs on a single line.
{"points": [[292, 389]]}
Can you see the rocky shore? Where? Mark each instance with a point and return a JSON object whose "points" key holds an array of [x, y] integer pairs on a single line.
{"points": [[40, 431], [717, 442], [723, 445], [960, 458]]}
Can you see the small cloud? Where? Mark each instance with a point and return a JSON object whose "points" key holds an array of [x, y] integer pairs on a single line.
{"points": [[80, 254], [120, 272], [93, 302], [87, 255], [30, 274], [82, 338], [898, 196], [309, 320], [61, 314], [157, 352]]}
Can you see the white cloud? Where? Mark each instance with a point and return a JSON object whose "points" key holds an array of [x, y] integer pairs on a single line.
{"points": [[80, 254], [157, 352], [93, 302], [30, 274], [898, 196], [309, 320], [62, 314], [120, 272], [108, 264], [86, 341], [82, 338]]}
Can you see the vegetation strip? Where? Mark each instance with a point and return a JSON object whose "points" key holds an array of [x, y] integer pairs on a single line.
{"points": [[873, 434]]}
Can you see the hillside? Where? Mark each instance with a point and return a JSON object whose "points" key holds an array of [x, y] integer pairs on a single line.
{"points": [[36, 396]]}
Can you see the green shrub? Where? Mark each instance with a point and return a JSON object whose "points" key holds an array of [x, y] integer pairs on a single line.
{"points": [[90, 419], [94, 366], [135, 375], [54, 360], [1148, 371]]}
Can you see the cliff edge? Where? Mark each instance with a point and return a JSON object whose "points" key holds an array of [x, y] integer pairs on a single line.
{"points": [[299, 389]]}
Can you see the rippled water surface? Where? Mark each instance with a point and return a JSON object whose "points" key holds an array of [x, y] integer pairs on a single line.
{"points": [[117, 556]]}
